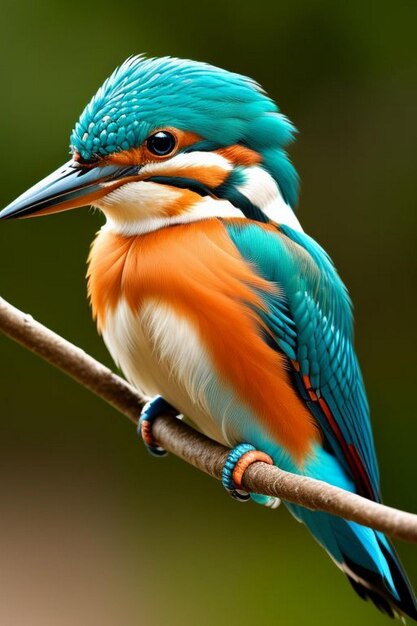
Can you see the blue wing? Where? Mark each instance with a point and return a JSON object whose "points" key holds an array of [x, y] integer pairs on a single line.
{"points": [[311, 323]]}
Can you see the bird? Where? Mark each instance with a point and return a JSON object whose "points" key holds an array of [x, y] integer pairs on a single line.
{"points": [[213, 300]]}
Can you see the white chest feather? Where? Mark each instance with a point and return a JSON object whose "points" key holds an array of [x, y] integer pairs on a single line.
{"points": [[161, 353]]}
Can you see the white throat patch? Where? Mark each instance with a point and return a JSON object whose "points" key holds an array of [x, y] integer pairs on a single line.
{"points": [[205, 208], [262, 190]]}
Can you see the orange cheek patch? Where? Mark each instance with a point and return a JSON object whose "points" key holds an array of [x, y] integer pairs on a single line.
{"points": [[239, 155], [211, 175]]}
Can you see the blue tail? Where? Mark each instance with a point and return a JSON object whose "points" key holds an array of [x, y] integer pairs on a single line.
{"points": [[364, 555], [367, 558]]}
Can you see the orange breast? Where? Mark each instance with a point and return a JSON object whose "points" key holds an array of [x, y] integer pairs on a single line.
{"points": [[196, 269]]}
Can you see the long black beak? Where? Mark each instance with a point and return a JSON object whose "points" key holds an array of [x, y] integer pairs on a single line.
{"points": [[70, 186]]}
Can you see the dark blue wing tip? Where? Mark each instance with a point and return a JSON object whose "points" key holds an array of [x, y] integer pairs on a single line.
{"points": [[403, 603]]}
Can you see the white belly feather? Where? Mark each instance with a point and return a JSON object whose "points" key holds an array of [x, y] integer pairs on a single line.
{"points": [[160, 353]]}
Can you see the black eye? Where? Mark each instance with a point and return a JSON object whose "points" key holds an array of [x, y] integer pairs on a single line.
{"points": [[161, 143]]}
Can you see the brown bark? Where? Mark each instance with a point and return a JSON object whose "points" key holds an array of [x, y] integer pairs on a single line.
{"points": [[193, 447]]}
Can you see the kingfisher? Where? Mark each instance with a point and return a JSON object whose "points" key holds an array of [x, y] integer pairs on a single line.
{"points": [[213, 300]]}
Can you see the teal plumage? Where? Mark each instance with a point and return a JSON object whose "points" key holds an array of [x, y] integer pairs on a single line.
{"points": [[313, 326]]}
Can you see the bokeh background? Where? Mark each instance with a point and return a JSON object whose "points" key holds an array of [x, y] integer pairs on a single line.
{"points": [[93, 531]]}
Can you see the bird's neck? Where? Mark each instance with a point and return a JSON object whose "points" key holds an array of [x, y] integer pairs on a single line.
{"points": [[151, 206]]}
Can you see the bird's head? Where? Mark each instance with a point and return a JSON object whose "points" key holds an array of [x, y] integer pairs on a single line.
{"points": [[162, 136]]}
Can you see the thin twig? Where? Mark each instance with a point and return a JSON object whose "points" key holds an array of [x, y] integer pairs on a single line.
{"points": [[193, 447]]}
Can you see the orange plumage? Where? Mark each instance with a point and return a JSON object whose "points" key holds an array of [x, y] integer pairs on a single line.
{"points": [[196, 269]]}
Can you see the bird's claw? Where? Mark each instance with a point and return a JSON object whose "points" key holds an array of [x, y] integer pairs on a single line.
{"points": [[151, 410], [237, 462]]}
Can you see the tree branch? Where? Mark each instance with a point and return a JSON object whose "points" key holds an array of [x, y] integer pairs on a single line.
{"points": [[193, 447]]}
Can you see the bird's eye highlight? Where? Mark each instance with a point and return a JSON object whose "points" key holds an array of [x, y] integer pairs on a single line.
{"points": [[161, 143]]}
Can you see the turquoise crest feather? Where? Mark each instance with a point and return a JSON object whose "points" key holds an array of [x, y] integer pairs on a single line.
{"points": [[144, 95]]}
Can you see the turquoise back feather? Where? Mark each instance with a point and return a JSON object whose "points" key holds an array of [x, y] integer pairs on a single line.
{"points": [[312, 325]]}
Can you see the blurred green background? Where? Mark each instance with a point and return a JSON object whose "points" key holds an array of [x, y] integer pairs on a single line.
{"points": [[92, 530]]}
